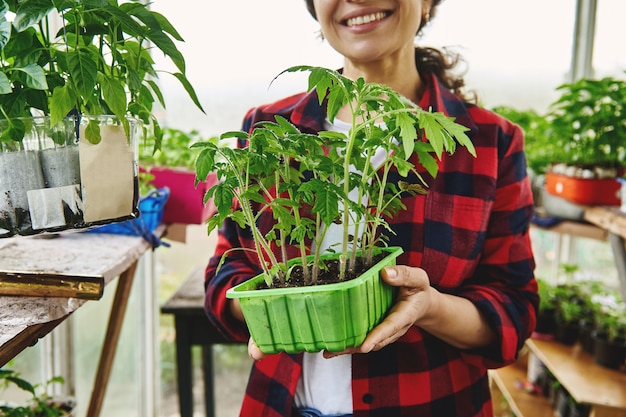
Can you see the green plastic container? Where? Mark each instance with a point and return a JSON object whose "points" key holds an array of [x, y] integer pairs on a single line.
{"points": [[329, 317]]}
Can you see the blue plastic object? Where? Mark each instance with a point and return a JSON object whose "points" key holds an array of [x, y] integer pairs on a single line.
{"points": [[151, 208]]}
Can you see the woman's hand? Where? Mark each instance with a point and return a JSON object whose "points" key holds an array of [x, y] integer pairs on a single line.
{"points": [[413, 301], [253, 351], [453, 319]]}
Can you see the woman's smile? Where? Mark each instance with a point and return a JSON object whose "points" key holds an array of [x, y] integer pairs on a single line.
{"points": [[368, 18]]}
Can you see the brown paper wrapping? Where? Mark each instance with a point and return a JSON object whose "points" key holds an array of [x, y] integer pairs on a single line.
{"points": [[107, 175]]}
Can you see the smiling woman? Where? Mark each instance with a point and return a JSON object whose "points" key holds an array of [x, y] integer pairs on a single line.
{"points": [[464, 302]]}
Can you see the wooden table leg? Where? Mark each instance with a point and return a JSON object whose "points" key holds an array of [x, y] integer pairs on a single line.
{"points": [[116, 319], [184, 366]]}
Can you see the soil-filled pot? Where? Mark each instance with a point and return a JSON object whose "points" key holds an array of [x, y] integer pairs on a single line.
{"points": [[23, 174], [546, 322], [579, 410], [60, 166], [610, 354], [586, 336], [567, 333], [329, 317], [562, 405], [7, 215]]}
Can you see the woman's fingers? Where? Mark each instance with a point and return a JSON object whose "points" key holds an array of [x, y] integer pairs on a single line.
{"points": [[411, 302], [253, 351]]}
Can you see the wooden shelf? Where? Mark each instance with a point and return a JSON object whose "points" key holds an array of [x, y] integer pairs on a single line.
{"points": [[585, 381], [604, 389], [521, 403], [611, 219]]}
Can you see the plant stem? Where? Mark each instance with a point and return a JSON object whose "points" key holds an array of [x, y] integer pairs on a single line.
{"points": [[260, 244]]}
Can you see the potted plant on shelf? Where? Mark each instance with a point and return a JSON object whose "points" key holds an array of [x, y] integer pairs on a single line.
{"points": [[589, 130], [72, 73], [610, 330], [546, 317], [312, 184], [173, 166], [569, 312]]}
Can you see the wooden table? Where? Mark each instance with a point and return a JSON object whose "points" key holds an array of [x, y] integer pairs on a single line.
{"points": [[24, 320]]}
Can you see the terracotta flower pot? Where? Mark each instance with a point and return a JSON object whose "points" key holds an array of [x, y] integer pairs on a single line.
{"points": [[313, 318]]}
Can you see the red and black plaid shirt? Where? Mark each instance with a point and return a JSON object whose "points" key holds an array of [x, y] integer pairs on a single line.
{"points": [[470, 233]]}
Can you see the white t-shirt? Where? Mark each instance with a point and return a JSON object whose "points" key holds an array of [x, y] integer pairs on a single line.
{"points": [[326, 384]]}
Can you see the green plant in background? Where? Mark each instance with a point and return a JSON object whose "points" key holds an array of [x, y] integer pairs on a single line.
{"points": [[610, 314], [40, 405], [569, 302], [547, 295], [279, 157], [589, 123], [90, 57], [585, 126], [175, 150]]}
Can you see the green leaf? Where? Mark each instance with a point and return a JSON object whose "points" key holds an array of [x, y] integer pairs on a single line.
{"points": [[83, 70], [408, 133], [92, 132], [14, 132], [114, 95], [223, 198], [5, 84], [189, 89], [5, 30], [35, 76], [167, 46], [239, 217], [166, 26], [427, 160], [31, 12], [336, 100], [22, 384], [157, 91], [122, 16], [253, 195], [62, 102], [205, 162]]}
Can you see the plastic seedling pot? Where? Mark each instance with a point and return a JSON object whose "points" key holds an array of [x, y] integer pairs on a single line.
{"points": [[329, 317]]}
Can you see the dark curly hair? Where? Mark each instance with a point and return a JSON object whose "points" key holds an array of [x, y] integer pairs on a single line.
{"points": [[427, 59]]}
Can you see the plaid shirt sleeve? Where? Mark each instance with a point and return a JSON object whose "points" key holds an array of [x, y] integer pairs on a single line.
{"points": [[476, 220], [503, 285]]}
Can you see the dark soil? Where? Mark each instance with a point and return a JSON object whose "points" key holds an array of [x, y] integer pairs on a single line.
{"points": [[329, 274]]}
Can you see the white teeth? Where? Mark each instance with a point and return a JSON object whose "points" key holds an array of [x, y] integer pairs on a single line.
{"points": [[361, 20]]}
